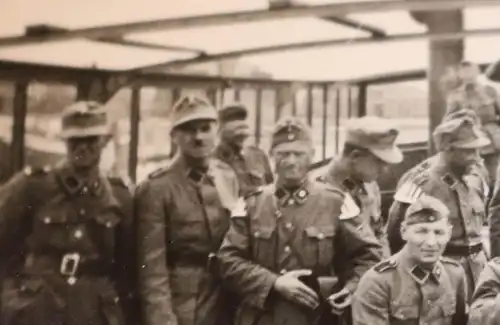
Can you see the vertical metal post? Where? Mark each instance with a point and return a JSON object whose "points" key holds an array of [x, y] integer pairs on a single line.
{"points": [[135, 116], [294, 105], [237, 94], [19, 126], [309, 104], [277, 102], [337, 120], [363, 87], [258, 115], [349, 102], [325, 124]]}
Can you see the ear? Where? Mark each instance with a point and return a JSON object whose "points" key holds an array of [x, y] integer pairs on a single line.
{"points": [[403, 229]]}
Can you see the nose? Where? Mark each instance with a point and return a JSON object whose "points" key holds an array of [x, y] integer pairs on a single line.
{"points": [[431, 239]]}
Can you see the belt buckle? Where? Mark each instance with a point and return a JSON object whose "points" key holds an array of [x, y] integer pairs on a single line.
{"points": [[69, 266]]}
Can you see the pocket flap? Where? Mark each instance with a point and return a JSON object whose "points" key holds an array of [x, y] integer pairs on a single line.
{"points": [[448, 308], [109, 220], [320, 232], [404, 312], [265, 233]]}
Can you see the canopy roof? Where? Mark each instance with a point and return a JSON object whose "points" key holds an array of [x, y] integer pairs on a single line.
{"points": [[345, 38]]}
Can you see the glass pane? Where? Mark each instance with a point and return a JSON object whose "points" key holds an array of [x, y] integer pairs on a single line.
{"points": [[42, 144], [154, 136], [6, 120], [115, 157], [406, 103], [267, 115]]}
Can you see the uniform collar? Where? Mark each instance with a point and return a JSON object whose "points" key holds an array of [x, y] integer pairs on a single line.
{"points": [[74, 184], [448, 176], [417, 272], [296, 196], [194, 174]]}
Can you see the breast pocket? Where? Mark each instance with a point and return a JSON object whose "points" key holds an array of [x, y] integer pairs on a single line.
{"points": [[104, 230], [478, 213], [319, 245], [50, 229], [263, 246], [404, 314], [256, 177]]}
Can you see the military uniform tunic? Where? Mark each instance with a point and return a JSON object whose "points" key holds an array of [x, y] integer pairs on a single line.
{"points": [[467, 212], [399, 292], [183, 216], [67, 248], [251, 166], [367, 197], [484, 308], [277, 231]]}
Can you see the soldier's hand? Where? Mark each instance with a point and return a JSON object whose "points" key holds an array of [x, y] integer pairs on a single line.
{"points": [[340, 301], [290, 287]]}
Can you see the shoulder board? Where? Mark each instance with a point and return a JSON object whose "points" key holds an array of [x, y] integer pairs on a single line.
{"points": [[447, 260], [33, 171], [349, 208], [409, 192], [421, 177], [158, 173], [385, 265], [255, 192]]}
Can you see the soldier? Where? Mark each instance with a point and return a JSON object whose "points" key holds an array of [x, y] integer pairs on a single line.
{"points": [[66, 234], [250, 163], [448, 178], [484, 308], [484, 100], [281, 253], [416, 285], [183, 213], [370, 147]]}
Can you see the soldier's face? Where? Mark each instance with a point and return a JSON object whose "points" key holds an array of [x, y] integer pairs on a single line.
{"points": [[85, 152], [292, 161], [426, 241], [196, 138], [235, 132], [367, 167], [460, 159]]}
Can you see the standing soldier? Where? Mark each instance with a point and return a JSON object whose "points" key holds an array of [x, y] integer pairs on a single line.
{"points": [[183, 214], [288, 240], [447, 178], [485, 102], [416, 285], [250, 163], [370, 147], [66, 234]]}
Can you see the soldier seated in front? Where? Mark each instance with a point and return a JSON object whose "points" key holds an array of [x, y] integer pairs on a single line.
{"points": [[287, 241], [66, 235], [416, 285]]}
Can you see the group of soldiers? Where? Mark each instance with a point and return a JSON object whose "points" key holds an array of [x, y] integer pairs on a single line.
{"points": [[228, 234]]}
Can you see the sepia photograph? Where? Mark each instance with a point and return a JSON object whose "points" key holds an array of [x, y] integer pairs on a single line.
{"points": [[250, 162]]}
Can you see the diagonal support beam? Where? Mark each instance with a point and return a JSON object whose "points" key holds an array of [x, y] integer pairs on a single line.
{"points": [[333, 9], [435, 37], [48, 30]]}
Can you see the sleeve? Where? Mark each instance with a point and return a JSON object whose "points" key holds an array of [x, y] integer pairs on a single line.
{"points": [[494, 221], [250, 280], [361, 250], [268, 176], [378, 222], [393, 228], [154, 287], [370, 303], [15, 205], [126, 256], [452, 103], [484, 309]]}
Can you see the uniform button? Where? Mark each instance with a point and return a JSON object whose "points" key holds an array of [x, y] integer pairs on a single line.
{"points": [[321, 236], [256, 234], [278, 214], [78, 234], [283, 271], [82, 212], [85, 190], [46, 220], [291, 202], [288, 225], [287, 249], [109, 224]]}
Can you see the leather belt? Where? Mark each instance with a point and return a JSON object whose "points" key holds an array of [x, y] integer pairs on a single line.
{"points": [[196, 259], [463, 250], [69, 265]]}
